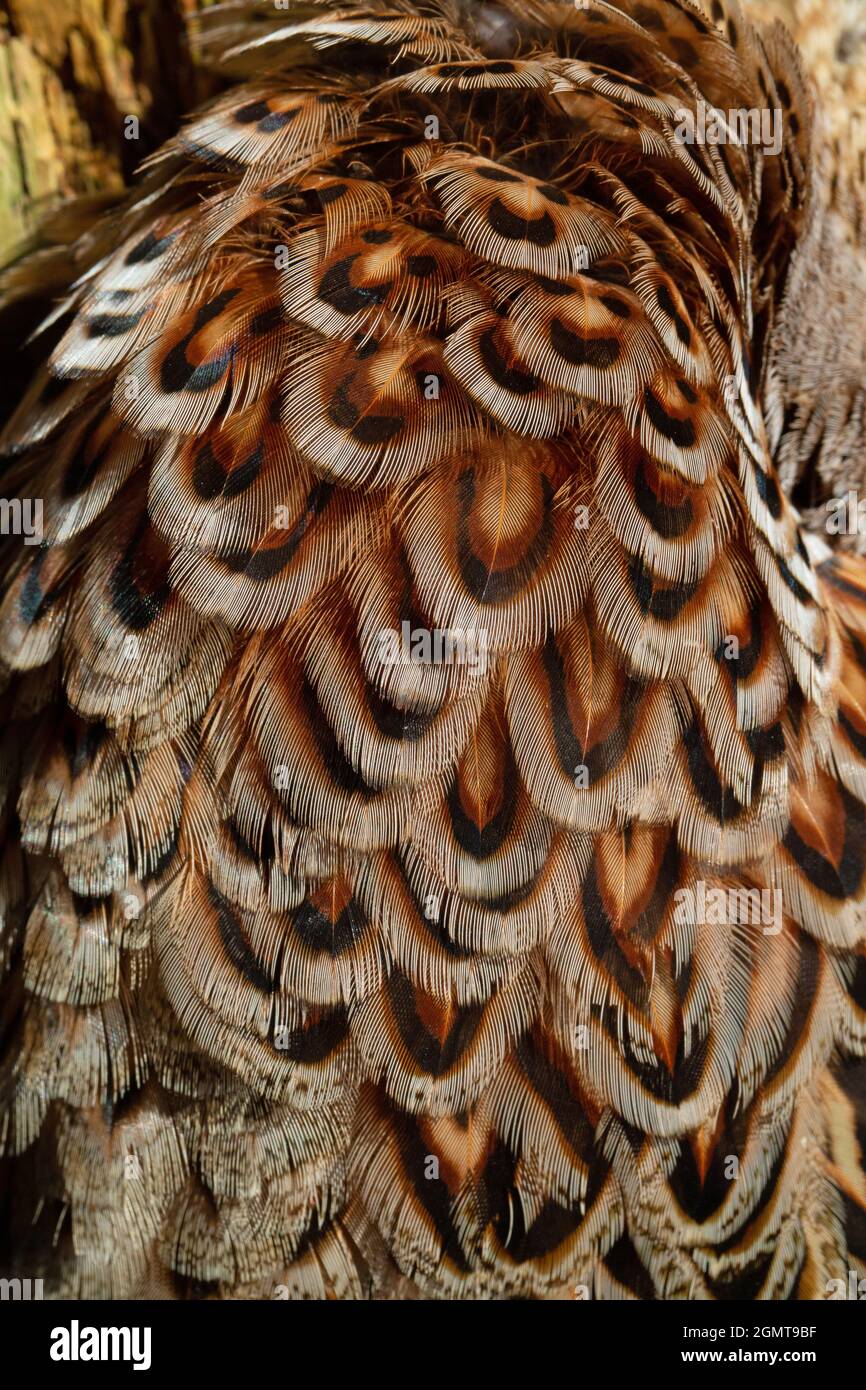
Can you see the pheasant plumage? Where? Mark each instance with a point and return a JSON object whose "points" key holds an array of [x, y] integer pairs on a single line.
{"points": [[422, 655]]}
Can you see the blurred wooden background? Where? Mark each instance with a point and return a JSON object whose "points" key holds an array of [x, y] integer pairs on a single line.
{"points": [[71, 71]]}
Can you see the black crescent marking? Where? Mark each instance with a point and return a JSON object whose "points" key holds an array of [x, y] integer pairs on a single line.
{"points": [[559, 288], [162, 861], [604, 756], [434, 1056], [314, 1042], [265, 854], [583, 352], [210, 479], [433, 1196], [224, 163], [367, 429], [844, 881], [553, 194], [332, 193], [262, 565], [150, 248], [407, 726], [808, 981], [421, 266], [113, 325], [500, 1193], [605, 946], [136, 610], [337, 765], [666, 603], [82, 745], [510, 378], [260, 114], [482, 841], [336, 288], [720, 802], [33, 601], [251, 113], [608, 274], [276, 120], [801, 595], [238, 949], [767, 744], [326, 937], [624, 1263], [652, 916], [540, 231], [177, 373], [616, 306], [435, 929], [496, 586], [768, 491], [648, 17], [667, 306], [565, 1109], [741, 667], [679, 432], [241, 478], [497, 175], [669, 521]]}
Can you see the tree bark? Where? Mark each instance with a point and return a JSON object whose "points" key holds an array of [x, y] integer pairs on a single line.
{"points": [[71, 74]]}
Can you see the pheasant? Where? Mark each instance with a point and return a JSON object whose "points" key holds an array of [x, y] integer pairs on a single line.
{"points": [[434, 742]]}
